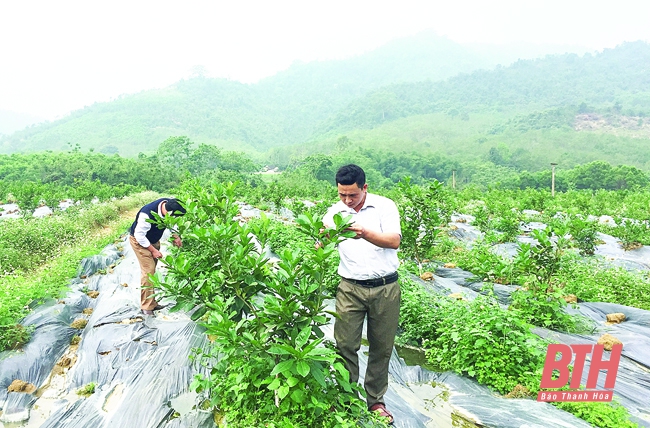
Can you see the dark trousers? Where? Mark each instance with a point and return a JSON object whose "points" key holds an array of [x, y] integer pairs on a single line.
{"points": [[381, 305]]}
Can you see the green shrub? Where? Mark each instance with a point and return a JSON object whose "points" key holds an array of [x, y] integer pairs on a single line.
{"points": [[540, 299], [476, 338], [87, 390], [423, 211], [485, 264], [632, 233], [270, 364], [585, 235], [602, 415], [595, 280], [14, 336]]}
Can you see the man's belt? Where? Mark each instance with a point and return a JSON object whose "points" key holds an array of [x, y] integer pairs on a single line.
{"points": [[375, 282]]}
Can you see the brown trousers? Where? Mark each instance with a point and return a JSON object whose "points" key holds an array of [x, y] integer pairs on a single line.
{"points": [[147, 267], [381, 305]]}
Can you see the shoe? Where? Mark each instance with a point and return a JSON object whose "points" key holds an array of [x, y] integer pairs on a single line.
{"points": [[146, 312], [159, 307], [383, 412]]}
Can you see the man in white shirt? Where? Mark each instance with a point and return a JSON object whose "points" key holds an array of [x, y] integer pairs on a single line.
{"points": [[369, 286]]}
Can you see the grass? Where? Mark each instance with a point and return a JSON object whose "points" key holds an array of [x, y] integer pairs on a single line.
{"points": [[595, 281], [21, 291]]}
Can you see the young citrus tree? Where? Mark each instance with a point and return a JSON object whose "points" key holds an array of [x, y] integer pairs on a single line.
{"points": [[270, 363]]}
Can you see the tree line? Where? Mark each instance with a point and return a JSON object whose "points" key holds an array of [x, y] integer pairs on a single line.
{"points": [[47, 177]]}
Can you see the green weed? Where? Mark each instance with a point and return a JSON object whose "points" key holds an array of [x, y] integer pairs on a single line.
{"points": [[87, 390], [14, 336], [603, 415]]}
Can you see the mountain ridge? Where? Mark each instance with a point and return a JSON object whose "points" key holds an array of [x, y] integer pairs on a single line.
{"points": [[286, 108], [309, 106]]}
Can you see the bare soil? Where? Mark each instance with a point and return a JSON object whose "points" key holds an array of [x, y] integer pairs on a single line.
{"points": [[632, 126]]}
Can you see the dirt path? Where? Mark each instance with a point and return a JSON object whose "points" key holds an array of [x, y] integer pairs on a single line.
{"points": [[114, 226]]}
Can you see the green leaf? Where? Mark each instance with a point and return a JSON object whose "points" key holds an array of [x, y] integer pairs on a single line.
{"points": [[303, 337], [299, 396], [283, 391], [303, 368], [317, 373], [314, 351], [177, 307], [282, 350], [274, 385], [320, 319], [199, 313], [282, 367], [339, 367], [187, 306]]}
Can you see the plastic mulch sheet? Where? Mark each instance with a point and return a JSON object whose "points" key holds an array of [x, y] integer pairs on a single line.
{"points": [[633, 381], [141, 368], [419, 398], [138, 363], [33, 365]]}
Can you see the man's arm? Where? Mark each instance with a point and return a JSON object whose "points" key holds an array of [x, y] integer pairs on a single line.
{"points": [[154, 252], [140, 235], [380, 239], [390, 235]]}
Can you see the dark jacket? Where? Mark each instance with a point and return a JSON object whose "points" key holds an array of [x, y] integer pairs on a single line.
{"points": [[155, 233]]}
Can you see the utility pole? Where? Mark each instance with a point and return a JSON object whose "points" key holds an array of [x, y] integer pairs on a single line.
{"points": [[553, 179], [453, 178]]}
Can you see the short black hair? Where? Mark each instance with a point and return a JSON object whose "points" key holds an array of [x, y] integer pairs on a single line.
{"points": [[174, 208], [350, 174]]}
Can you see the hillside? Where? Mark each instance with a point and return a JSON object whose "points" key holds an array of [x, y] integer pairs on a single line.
{"points": [[614, 78], [423, 93], [562, 108], [283, 109], [140, 122]]}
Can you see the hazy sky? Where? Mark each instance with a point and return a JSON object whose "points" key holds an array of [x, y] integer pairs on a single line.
{"points": [[59, 55]]}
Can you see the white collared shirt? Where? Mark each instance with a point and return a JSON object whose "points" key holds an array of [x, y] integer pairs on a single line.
{"points": [[359, 258]]}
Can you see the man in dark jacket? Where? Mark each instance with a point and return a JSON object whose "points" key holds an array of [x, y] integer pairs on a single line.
{"points": [[145, 240]]}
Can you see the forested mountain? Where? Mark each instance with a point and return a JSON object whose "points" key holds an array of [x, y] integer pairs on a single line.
{"points": [[413, 59], [617, 78], [214, 111], [562, 108], [424, 93], [284, 109]]}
